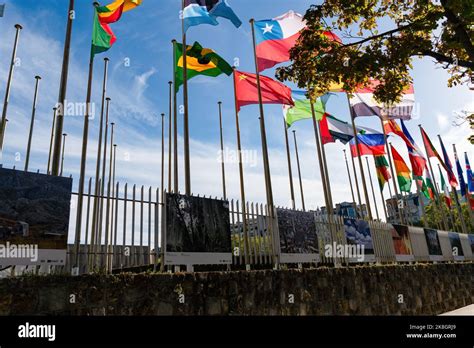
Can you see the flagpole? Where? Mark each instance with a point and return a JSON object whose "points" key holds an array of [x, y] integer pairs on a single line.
{"points": [[175, 122], [33, 113], [62, 90], [325, 165], [420, 198], [350, 182], [187, 165], [162, 153], [357, 185], [437, 200], [317, 137], [389, 154], [7, 90], [104, 164], [96, 206], [382, 196], [299, 171], [170, 136], [241, 174], [224, 191], [62, 154], [364, 185], [290, 173], [110, 187], [372, 187], [266, 161], [80, 196], [51, 141], [451, 217], [465, 189]]}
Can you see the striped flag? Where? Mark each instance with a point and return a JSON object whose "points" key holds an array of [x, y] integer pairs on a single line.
{"points": [[383, 174], [197, 12], [368, 144], [302, 108], [363, 103], [448, 166], [417, 160], [403, 172]]}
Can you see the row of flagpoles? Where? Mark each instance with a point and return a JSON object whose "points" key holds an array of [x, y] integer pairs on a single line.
{"points": [[272, 40]]}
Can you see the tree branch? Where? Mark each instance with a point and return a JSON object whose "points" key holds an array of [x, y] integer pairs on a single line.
{"points": [[442, 58]]}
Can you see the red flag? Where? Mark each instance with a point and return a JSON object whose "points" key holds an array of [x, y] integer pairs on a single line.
{"points": [[326, 136], [273, 92]]}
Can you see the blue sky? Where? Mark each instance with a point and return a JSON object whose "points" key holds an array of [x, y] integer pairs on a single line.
{"points": [[139, 95]]}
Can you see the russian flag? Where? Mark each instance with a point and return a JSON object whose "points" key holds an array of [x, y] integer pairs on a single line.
{"points": [[369, 144], [276, 37]]}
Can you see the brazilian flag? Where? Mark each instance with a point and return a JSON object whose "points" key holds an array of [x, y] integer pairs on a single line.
{"points": [[200, 61]]}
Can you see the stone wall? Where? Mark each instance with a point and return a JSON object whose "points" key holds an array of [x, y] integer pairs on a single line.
{"points": [[363, 290]]}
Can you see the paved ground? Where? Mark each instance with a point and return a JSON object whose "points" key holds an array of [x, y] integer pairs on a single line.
{"points": [[468, 310]]}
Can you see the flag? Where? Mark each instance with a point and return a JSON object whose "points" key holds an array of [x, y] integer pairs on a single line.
{"points": [[333, 129], [302, 108], [197, 12], [273, 92], [470, 177], [429, 184], [276, 37], [200, 61], [391, 126], [431, 150], [363, 103], [448, 166], [462, 183], [2, 10], [403, 172], [383, 174], [417, 160], [102, 36], [369, 144], [444, 187]]}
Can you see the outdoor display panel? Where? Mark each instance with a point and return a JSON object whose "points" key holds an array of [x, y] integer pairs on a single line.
{"points": [[34, 218], [197, 231], [298, 236], [402, 243], [358, 234], [456, 246], [471, 242], [434, 245]]}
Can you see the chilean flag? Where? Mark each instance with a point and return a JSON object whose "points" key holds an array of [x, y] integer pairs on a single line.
{"points": [[276, 37]]}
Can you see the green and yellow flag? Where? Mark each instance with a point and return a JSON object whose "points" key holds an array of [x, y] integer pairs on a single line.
{"points": [[199, 61]]}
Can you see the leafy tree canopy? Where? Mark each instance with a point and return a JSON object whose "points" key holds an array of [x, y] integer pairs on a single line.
{"points": [[440, 29]]}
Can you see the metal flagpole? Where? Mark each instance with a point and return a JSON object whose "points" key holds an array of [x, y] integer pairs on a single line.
{"points": [[110, 187], [80, 196], [372, 187], [389, 154], [62, 90], [96, 206], [468, 194], [362, 174], [320, 159], [463, 220], [170, 136], [437, 202], [381, 194], [224, 191], [187, 164], [7, 90], [241, 174], [420, 199], [175, 122], [356, 182], [33, 113], [325, 166], [266, 161], [162, 153], [48, 171], [299, 171], [290, 174], [104, 165], [62, 154], [350, 183], [451, 217]]}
